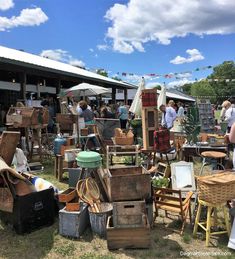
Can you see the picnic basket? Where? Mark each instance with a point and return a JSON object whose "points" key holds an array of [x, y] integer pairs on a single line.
{"points": [[123, 138], [216, 188]]}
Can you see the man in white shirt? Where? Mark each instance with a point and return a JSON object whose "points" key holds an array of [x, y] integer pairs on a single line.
{"points": [[230, 117], [168, 116]]}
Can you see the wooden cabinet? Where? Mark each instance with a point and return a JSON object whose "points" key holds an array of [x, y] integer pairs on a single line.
{"points": [[149, 125]]}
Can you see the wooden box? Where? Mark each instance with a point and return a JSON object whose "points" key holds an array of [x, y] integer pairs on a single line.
{"points": [[127, 237], [128, 183], [128, 213], [73, 223], [67, 195], [73, 205]]}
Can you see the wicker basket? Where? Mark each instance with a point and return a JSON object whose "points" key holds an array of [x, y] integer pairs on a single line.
{"points": [[216, 188], [124, 140]]}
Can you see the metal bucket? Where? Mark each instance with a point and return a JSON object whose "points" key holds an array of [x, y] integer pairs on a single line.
{"points": [[98, 220]]}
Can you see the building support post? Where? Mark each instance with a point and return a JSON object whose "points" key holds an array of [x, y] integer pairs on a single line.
{"points": [[125, 96], [23, 86], [114, 95]]}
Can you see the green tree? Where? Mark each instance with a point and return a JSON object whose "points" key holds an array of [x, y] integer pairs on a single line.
{"points": [[102, 72], [203, 88], [186, 88], [158, 87], [116, 78], [224, 87]]}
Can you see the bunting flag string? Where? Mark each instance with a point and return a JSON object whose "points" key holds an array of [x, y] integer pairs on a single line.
{"points": [[151, 76]]}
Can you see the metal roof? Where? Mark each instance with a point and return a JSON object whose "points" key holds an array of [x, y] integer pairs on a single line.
{"points": [[25, 59], [175, 94]]}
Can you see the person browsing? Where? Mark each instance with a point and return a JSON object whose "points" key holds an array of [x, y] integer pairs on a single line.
{"points": [[168, 116]]}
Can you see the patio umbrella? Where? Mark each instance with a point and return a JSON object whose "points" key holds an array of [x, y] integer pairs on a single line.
{"points": [[85, 89], [162, 96], [137, 102]]}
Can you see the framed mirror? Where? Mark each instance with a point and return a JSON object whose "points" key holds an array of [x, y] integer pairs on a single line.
{"points": [[182, 176]]}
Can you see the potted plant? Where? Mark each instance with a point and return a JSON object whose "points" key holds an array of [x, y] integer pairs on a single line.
{"points": [[160, 182]]}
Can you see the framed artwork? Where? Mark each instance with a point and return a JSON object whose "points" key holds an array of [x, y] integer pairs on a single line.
{"points": [[182, 176]]}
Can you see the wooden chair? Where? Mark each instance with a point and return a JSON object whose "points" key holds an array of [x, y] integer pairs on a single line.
{"points": [[171, 200]]}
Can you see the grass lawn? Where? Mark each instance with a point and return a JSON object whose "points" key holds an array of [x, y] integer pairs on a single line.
{"points": [[166, 241]]}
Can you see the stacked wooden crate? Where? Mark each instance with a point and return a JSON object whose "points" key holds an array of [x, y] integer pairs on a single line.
{"points": [[129, 227], [149, 117]]}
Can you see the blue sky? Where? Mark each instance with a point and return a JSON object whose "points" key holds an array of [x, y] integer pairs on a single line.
{"points": [[135, 36]]}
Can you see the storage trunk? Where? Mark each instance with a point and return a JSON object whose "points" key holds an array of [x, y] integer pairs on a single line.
{"points": [[128, 237], [128, 183], [32, 211], [73, 224], [128, 213]]}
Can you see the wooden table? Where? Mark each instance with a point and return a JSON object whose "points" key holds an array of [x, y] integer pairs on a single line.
{"points": [[190, 151]]}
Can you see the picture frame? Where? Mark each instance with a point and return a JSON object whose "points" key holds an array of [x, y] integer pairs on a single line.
{"points": [[182, 176], [163, 169]]}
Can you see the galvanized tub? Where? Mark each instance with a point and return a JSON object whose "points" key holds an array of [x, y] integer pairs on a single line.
{"points": [[98, 220]]}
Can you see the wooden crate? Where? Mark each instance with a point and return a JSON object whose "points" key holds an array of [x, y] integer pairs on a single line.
{"points": [[128, 183], [128, 213], [149, 125], [27, 116], [128, 237], [67, 195]]}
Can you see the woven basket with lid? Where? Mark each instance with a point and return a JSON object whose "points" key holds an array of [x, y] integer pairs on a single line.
{"points": [[216, 188]]}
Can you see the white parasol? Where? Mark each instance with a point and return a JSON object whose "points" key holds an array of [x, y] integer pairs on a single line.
{"points": [[85, 89], [137, 102], [162, 96]]}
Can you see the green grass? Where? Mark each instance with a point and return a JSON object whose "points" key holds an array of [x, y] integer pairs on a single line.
{"points": [[48, 243]]}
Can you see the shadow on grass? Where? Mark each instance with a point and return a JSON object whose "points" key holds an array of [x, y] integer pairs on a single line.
{"points": [[33, 245]]}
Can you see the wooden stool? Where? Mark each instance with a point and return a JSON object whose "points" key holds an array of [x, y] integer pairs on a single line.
{"points": [[219, 156], [206, 225]]}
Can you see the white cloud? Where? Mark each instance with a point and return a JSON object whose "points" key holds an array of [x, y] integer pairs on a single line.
{"points": [[6, 4], [153, 84], [63, 56], [138, 22], [91, 50], [194, 55], [77, 63], [179, 82], [27, 17], [102, 47]]}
